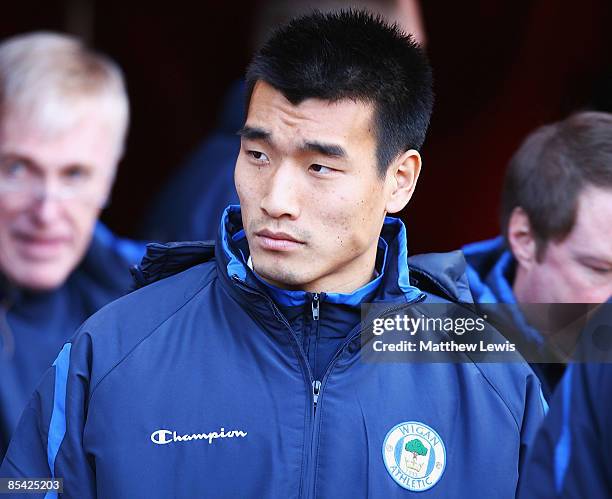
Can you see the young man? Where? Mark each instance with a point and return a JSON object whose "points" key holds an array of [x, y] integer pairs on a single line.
{"points": [[242, 376], [557, 243], [63, 119]]}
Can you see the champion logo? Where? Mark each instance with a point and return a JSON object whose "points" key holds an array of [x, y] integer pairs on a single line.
{"points": [[162, 437]]}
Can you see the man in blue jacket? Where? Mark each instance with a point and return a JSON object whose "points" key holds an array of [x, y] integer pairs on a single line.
{"points": [[556, 245], [63, 119], [237, 370]]}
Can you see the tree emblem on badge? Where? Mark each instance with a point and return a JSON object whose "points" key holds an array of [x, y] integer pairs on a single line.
{"points": [[417, 448], [414, 455]]}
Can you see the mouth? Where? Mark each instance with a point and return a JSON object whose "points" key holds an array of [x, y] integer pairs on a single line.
{"points": [[36, 247], [277, 241]]}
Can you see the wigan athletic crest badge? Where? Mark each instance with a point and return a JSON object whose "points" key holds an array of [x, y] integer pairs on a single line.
{"points": [[414, 455]]}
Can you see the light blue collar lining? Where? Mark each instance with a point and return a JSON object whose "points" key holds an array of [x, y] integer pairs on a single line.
{"points": [[294, 298], [500, 270], [403, 277], [237, 265]]}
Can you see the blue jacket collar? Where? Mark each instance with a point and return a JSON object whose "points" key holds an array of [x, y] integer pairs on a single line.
{"points": [[491, 272], [391, 284]]}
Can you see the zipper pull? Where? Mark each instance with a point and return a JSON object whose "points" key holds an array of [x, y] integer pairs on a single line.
{"points": [[315, 307], [316, 389]]}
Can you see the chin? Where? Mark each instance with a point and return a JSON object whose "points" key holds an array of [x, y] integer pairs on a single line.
{"points": [[280, 276], [40, 280]]}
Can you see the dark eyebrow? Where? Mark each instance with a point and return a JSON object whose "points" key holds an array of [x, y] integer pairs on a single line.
{"points": [[254, 133], [331, 150]]}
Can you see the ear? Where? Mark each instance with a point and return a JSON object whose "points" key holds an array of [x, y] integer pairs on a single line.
{"points": [[402, 177], [521, 239]]}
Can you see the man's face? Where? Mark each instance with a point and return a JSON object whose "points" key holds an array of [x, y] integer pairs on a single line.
{"points": [[52, 189], [312, 202], [578, 269]]}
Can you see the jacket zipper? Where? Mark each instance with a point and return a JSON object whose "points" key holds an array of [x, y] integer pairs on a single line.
{"points": [[307, 455], [352, 336], [315, 307], [316, 389], [317, 386]]}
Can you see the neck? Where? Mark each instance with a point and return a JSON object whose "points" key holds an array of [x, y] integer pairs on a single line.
{"points": [[521, 286]]}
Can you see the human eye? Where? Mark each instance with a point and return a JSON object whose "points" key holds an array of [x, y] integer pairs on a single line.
{"points": [[321, 170], [597, 266], [259, 157], [598, 269], [14, 168], [76, 173]]}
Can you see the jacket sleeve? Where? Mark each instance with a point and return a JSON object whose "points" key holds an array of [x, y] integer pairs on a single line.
{"points": [[571, 454], [48, 440]]}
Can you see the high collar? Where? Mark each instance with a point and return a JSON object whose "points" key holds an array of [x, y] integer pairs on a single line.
{"points": [[391, 284], [491, 269]]}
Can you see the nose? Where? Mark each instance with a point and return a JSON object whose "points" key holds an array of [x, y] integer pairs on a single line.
{"points": [[46, 207], [281, 199], [45, 210]]}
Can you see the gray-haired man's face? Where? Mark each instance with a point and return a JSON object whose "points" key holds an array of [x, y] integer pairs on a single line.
{"points": [[52, 189]]}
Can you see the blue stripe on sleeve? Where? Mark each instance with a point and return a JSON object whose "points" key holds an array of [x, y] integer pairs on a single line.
{"points": [[544, 403], [563, 447], [57, 427]]}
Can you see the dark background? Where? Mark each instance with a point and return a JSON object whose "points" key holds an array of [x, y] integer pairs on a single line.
{"points": [[502, 68]]}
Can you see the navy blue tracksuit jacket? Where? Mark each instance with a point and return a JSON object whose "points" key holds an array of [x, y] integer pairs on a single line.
{"points": [[209, 383]]}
